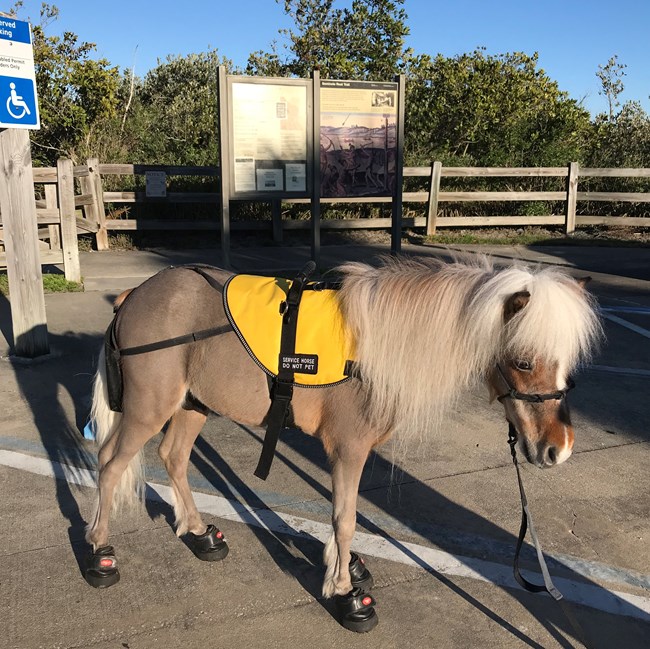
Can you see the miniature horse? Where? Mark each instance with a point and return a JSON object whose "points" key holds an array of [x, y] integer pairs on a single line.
{"points": [[423, 332]]}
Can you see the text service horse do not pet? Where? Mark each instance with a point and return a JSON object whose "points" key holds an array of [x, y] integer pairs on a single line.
{"points": [[422, 333]]}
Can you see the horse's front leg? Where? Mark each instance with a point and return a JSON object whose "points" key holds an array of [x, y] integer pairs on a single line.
{"points": [[345, 576], [336, 417], [346, 474]]}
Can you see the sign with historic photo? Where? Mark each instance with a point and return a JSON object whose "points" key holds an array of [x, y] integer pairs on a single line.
{"points": [[269, 137], [358, 138]]}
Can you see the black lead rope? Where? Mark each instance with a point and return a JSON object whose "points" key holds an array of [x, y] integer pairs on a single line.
{"points": [[527, 524]]}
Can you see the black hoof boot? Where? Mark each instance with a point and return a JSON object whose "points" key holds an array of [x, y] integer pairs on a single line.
{"points": [[209, 546], [359, 574], [356, 611], [101, 568]]}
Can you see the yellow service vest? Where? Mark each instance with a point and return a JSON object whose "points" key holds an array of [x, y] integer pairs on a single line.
{"points": [[324, 347]]}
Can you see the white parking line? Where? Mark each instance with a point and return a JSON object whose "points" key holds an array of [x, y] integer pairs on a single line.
{"points": [[631, 371], [435, 561], [626, 324], [638, 310]]}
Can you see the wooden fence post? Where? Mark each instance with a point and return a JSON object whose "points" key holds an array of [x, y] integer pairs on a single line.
{"points": [[571, 198], [67, 209], [92, 184], [50, 204], [24, 272], [432, 204], [276, 217], [398, 205]]}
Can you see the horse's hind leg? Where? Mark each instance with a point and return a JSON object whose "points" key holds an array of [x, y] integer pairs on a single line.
{"points": [[174, 450], [114, 458]]}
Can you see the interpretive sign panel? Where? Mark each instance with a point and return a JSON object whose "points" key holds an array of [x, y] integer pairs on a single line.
{"points": [[269, 137], [358, 138], [18, 100]]}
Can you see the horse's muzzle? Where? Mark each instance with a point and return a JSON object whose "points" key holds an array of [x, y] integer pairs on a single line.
{"points": [[546, 454]]}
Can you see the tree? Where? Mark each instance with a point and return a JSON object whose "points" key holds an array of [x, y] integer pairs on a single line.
{"points": [[620, 139], [611, 78], [623, 141], [76, 94], [174, 114], [365, 41], [485, 109]]}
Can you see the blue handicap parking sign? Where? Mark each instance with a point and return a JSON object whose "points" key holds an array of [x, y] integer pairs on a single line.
{"points": [[18, 102]]}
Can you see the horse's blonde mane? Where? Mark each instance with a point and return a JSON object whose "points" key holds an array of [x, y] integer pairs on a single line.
{"points": [[426, 330]]}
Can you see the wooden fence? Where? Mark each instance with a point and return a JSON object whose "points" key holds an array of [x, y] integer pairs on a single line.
{"points": [[64, 212], [56, 214]]}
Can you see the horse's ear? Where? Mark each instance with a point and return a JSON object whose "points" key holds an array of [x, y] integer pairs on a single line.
{"points": [[516, 302], [583, 281]]}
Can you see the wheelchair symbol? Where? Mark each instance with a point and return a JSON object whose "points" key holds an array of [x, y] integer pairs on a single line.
{"points": [[17, 102]]}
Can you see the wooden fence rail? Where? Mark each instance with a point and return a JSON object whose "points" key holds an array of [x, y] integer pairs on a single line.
{"points": [[64, 211]]}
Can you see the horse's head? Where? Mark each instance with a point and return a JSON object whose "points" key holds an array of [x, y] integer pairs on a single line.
{"points": [[533, 393], [532, 388]]}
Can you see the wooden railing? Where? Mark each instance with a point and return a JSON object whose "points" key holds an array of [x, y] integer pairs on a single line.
{"points": [[64, 212], [431, 198], [56, 217]]}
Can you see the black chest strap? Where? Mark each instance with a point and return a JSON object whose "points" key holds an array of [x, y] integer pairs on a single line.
{"points": [[282, 386]]}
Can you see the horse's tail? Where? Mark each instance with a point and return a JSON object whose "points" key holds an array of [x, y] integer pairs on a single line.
{"points": [[106, 423]]}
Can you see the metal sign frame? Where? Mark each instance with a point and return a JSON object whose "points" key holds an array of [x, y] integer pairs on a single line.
{"points": [[233, 131]]}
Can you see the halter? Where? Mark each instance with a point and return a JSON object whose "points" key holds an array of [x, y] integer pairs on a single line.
{"points": [[533, 397]]}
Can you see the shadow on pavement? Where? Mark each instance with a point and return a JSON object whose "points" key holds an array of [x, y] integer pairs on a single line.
{"points": [[69, 368], [379, 470], [624, 261]]}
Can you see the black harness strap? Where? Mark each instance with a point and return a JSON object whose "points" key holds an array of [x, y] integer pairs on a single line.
{"points": [[173, 342], [113, 368], [282, 388], [200, 269]]}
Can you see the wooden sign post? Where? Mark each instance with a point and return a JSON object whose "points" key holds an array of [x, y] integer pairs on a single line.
{"points": [[18, 113], [18, 209]]}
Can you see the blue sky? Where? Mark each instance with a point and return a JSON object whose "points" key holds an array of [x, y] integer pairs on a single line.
{"points": [[572, 36]]}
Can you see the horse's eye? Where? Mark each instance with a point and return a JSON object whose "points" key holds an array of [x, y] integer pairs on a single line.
{"points": [[523, 365]]}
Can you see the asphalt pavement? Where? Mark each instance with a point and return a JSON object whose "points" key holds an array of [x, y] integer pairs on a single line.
{"points": [[437, 526]]}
